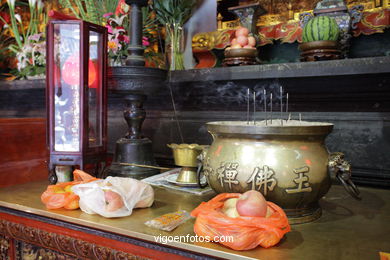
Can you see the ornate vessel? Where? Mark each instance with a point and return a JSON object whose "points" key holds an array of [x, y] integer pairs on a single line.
{"points": [[287, 162], [185, 155]]}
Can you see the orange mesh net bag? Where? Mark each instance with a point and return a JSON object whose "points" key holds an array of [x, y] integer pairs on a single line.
{"points": [[61, 196], [246, 232]]}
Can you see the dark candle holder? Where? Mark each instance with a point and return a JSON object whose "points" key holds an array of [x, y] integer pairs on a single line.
{"points": [[133, 148], [134, 114], [134, 83], [135, 49]]}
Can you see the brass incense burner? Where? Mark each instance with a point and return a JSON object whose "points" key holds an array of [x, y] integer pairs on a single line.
{"points": [[185, 155], [286, 161]]}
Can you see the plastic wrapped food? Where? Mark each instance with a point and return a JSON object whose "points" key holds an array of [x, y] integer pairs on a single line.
{"points": [[114, 196], [246, 232], [61, 195], [169, 221]]}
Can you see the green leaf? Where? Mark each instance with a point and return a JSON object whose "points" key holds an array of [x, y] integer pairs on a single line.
{"points": [[110, 5], [173, 11]]}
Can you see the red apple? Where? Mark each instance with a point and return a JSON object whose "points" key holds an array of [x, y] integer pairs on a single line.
{"points": [[242, 31], [113, 200], [252, 203]]}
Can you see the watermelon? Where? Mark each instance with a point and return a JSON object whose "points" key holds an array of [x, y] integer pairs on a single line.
{"points": [[321, 28]]}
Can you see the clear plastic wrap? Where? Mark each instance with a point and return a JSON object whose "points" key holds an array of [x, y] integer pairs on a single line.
{"points": [[114, 196]]}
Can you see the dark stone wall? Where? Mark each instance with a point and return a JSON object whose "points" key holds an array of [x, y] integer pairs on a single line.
{"points": [[354, 95], [357, 103]]}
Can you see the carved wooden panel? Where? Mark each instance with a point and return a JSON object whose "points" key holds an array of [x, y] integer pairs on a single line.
{"points": [[34, 243], [27, 251], [4, 247]]}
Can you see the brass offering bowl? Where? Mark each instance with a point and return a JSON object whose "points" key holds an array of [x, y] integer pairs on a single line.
{"points": [[287, 163], [185, 155]]}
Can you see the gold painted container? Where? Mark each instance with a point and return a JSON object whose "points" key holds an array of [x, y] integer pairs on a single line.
{"points": [[288, 164]]}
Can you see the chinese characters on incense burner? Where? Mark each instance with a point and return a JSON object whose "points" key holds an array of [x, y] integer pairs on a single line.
{"points": [[262, 178], [287, 163]]}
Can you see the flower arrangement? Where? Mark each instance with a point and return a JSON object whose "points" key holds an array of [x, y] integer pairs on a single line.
{"points": [[117, 21], [29, 42], [173, 15], [89, 10], [5, 38], [32, 57], [118, 40], [22, 33]]}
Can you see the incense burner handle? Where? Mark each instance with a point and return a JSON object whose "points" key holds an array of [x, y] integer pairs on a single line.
{"points": [[201, 160], [342, 169]]}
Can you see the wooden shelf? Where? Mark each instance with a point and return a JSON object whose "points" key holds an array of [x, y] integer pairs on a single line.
{"points": [[371, 65], [358, 66], [23, 84]]}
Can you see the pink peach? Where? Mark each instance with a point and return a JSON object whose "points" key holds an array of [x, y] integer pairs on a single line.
{"points": [[242, 31], [251, 41], [242, 40], [236, 46]]}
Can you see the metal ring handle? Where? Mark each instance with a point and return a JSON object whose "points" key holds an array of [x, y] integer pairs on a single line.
{"points": [[342, 171], [349, 186], [198, 176]]}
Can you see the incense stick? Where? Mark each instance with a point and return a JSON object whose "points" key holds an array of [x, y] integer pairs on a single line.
{"points": [[281, 105], [145, 166], [287, 103], [254, 107], [247, 115], [271, 108], [265, 106]]}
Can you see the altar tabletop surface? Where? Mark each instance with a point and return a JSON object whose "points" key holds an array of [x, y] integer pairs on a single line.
{"points": [[347, 229]]}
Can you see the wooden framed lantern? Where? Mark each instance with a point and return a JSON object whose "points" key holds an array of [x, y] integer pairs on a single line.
{"points": [[76, 95]]}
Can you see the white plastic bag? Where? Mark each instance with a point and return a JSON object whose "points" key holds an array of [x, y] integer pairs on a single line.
{"points": [[133, 194]]}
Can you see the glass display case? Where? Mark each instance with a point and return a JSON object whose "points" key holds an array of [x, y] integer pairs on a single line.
{"points": [[76, 94]]}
